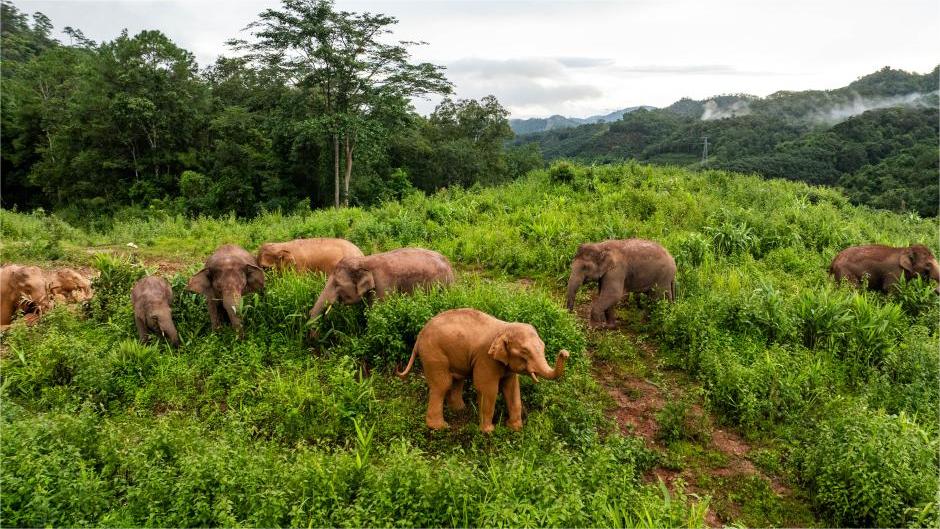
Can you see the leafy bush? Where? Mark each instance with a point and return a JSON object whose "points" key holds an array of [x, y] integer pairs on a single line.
{"points": [[562, 172], [870, 469]]}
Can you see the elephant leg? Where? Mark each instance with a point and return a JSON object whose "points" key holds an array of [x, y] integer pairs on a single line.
{"points": [[487, 390], [611, 294], [455, 395], [439, 383], [142, 331], [214, 314], [513, 402]]}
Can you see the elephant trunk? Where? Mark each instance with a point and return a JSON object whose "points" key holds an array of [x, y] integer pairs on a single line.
{"points": [[168, 329], [327, 297], [574, 283], [544, 371], [232, 303]]}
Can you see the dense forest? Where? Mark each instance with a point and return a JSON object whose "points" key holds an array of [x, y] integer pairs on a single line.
{"points": [[135, 124], [875, 138]]}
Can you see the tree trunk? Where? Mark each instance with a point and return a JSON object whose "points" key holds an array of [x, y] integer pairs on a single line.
{"points": [[348, 145], [335, 171]]}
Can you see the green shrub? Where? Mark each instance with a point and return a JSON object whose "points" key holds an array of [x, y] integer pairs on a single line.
{"points": [[562, 172], [866, 468]]}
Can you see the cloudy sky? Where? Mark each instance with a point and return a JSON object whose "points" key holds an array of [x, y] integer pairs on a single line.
{"points": [[579, 58]]}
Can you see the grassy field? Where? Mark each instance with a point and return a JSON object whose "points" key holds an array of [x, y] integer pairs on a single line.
{"points": [[835, 390]]}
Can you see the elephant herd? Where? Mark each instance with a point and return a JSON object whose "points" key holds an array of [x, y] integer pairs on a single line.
{"points": [[453, 345]]}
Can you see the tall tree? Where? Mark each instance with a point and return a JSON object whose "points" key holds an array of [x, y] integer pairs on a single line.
{"points": [[343, 56]]}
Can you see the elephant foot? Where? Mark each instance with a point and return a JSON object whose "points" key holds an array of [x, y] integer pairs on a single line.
{"points": [[487, 428], [514, 425], [437, 425], [457, 405]]}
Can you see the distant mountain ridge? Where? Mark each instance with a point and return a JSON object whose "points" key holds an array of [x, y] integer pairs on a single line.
{"points": [[526, 126]]}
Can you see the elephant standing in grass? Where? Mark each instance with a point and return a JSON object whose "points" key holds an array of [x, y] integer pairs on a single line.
{"points": [[402, 270], [619, 267], [882, 266], [307, 255], [230, 273], [461, 343], [152, 297], [22, 288]]}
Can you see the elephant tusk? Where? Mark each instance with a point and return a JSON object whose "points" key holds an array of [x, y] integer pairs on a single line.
{"points": [[534, 378]]}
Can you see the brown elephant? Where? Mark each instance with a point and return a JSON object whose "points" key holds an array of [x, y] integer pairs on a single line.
{"points": [[621, 266], [152, 297], [230, 273], [22, 288], [68, 285], [306, 255], [399, 270], [882, 266], [462, 343]]}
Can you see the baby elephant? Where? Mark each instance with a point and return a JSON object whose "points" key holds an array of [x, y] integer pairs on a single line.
{"points": [[152, 297], [621, 266], [400, 270], [67, 285], [461, 343], [22, 288], [882, 266], [306, 255]]}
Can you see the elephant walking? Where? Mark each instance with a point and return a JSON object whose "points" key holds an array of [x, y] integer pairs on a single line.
{"points": [[152, 297], [400, 270], [461, 343], [882, 266], [619, 267], [230, 273]]}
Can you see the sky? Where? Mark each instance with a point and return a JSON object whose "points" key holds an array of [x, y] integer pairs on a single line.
{"points": [[580, 58]]}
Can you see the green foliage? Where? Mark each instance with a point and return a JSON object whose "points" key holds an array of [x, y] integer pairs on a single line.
{"points": [[870, 469]]}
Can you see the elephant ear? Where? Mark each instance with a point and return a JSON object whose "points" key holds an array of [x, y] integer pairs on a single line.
{"points": [[498, 350], [906, 260], [254, 277], [285, 258], [200, 283], [365, 283]]}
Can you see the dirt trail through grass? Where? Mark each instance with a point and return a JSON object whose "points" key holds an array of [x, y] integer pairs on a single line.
{"points": [[695, 455]]}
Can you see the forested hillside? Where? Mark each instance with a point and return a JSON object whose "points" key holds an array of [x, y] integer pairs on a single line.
{"points": [[834, 390], [135, 124], [876, 138]]}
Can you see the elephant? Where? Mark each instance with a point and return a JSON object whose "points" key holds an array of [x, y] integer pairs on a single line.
{"points": [[22, 288], [882, 266], [152, 297], [399, 270], [462, 343], [318, 255], [620, 266], [67, 285], [230, 273]]}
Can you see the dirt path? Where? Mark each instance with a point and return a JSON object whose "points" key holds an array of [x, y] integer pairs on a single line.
{"points": [[714, 461]]}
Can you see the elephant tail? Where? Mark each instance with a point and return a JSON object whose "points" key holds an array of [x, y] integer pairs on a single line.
{"points": [[411, 362]]}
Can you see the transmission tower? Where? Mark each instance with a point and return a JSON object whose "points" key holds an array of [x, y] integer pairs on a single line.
{"points": [[705, 151]]}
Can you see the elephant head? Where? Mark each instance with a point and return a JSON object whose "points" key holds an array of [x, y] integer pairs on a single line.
{"points": [[227, 280], [590, 264], [68, 285], [30, 290], [348, 284], [162, 320], [271, 256], [521, 350], [919, 261]]}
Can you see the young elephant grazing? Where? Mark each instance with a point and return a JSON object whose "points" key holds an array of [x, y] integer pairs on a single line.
{"points": [[400, 270], [462, 343], [230, 273], [882, 266], [67, 285], [306, 255], [152, 297], [621, 266], [22, 288]]}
